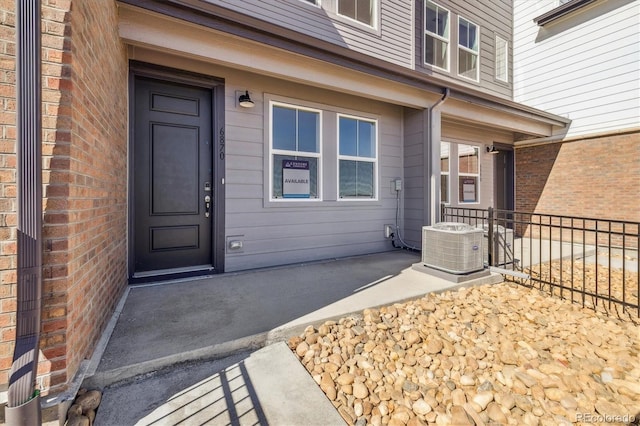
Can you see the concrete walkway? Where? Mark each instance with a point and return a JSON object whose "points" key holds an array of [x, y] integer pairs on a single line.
{"points": [[157, 364]]}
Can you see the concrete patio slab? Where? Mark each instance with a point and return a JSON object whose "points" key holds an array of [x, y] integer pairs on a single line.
{"points": [[179, 350]]}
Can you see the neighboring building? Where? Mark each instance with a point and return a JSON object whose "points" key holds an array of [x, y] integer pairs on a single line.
{"points": [[580, 59], [154, 169]]}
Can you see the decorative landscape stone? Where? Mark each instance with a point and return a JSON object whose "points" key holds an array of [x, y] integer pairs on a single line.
{"points": [[484, 355]]}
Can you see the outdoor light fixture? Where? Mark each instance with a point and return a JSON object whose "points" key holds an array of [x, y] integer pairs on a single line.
{"points": [[245, 100], [491, 149]]}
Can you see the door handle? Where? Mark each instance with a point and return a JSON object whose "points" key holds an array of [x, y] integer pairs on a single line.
{"points": [[207, 205]]}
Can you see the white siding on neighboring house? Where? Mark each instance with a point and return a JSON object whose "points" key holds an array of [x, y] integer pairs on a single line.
{"points": [[585, 66]]}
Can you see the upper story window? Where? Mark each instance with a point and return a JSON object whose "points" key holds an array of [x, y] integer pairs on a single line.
{"points": [[357, 158], [363, 11], [295, 138], [436, 41], [314, 2], [502, 59], [468, 49]]}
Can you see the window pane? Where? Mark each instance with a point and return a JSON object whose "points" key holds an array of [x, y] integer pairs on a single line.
{"points": [[284, 128], [366, 139], [444, 157], [308, 131], [444, 188], [443, 23], [364, 11], [437, 20], [277, 174], [364, 178], [356, 179], [467, 34], [468, 159], [444, 164], [467, 64], [473, 37], [463, 32], [432, 18], [348, 136], [347, 178], [347, 8], [501, 59], [436, 52]]}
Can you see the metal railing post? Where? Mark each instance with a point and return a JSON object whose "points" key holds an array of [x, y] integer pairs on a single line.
{"points": [[490, 248]]}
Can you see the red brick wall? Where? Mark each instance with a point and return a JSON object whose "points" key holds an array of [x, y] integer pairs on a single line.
{"points": [[598, 178], [84, 160]]}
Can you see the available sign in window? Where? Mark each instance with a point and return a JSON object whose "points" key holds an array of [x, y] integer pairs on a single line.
{"points": [[469, 191], [295, 179]]}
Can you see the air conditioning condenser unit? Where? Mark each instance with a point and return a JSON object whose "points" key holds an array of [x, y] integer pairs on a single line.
{"points": [[453, 247]]}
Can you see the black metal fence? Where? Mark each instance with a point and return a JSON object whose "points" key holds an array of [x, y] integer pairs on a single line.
{"points": [[590, 261]]}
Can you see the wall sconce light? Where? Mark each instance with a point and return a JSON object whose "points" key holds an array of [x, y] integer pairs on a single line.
{"points": [[245, 100], [491, 149]]}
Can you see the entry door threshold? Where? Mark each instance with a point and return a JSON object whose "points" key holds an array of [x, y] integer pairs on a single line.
{"points": [[171, 274]]}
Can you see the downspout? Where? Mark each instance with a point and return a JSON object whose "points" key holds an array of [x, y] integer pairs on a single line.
{"points": [[433, 163], [23, 405], [444, 98]]}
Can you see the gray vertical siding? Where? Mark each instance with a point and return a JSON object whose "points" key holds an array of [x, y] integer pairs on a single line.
{"points": [[390, 41], [494, 17], [414, 175]]}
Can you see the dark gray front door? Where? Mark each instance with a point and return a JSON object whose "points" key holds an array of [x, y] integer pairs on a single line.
{"points": [[172, 173], [503, 179]]}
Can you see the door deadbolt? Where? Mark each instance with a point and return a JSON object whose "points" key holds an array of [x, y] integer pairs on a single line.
{"points": [[207, 205]]}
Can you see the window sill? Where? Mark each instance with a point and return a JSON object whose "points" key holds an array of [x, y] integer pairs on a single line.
{"points": [[319, 204]]}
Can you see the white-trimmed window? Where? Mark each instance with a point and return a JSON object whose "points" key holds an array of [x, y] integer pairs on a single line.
{"points": [[468, 49], [363, 11], [295, 135], [313, 2], [436, 39], [445, 149], [502, 59], [468, 173], [357, 158]]}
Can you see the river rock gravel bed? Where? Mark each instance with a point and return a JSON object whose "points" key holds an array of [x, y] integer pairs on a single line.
{"points": [[494, 354]]}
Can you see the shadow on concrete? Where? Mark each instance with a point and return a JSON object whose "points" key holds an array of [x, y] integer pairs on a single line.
{"points": [[189, 394], [268, 386], [227, 397]]}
